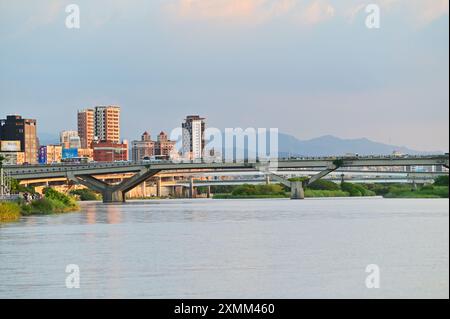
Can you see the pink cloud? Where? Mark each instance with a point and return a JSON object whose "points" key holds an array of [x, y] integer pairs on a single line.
{"points": [[251, 11], [303, 12]]}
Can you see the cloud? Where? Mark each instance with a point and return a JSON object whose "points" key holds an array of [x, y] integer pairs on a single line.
{"points": [[317, 12], [251, 11], [425, 12], [307, 12]]}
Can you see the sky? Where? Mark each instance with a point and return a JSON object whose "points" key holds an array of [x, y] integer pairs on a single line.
{"points": [[307, 67]]}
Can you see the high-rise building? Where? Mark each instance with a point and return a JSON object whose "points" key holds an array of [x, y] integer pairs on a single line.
{"points": [[15, 128], [86, 127], [107, 123], [143, 148], [101, 124], [164, 146], [69, 139], [193, 136]]}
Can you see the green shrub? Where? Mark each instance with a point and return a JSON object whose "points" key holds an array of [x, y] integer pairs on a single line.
{"points": [[324, 185], [351, 189], [356, 190], [298, 179], [325, 193], [441, 181], [427, 191], [427, 188], [246, 190], [53, 195], [85, 194], [46, 206], [378, 189]]}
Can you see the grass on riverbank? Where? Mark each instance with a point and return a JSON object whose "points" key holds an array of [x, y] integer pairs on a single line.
{"points": [[247, 191], [324, 188], [9, 212], [53, 203], [311, 193], [423, 192]]}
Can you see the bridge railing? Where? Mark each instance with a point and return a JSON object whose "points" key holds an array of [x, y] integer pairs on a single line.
{"points": [[59, 167]]}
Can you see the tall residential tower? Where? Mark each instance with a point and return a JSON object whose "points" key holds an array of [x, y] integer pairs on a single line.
{"points": [[86, 127], [107, 123], [193, 137], [99, 124]]}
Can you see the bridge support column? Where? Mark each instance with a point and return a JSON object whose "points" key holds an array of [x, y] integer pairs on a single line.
{"points": [[297, 191], [144, 189], [191, 188], [158, 187], [113, 196], [209, 192]]}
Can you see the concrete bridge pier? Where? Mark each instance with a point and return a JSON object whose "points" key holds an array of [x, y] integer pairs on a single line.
{"points": [[191, 188], [113, 196], [209, 192], [297, 191], [158, 187]]}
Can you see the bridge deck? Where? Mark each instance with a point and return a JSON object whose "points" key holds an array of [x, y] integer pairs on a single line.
{"points": [[61, 170]]}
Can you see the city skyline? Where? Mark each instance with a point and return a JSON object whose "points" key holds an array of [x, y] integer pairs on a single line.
{"points": [[50, 138], [308, 68]]}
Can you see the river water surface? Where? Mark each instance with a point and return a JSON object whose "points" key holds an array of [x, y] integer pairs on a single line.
{"points": [[231, 249]]}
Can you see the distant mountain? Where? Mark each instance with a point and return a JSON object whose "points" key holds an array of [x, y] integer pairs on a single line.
{"points": [[331, 145]]}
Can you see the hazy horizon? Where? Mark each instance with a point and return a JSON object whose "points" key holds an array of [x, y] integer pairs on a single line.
{"points": [[307, 67]]}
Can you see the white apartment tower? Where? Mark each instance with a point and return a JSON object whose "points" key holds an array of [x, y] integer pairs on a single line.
{"points": [[193, 137]]}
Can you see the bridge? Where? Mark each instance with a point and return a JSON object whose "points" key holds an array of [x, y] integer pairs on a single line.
{"points": [[85, 174]]}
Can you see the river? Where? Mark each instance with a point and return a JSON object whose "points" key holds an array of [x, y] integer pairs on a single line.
{"points": [[316, 248]]}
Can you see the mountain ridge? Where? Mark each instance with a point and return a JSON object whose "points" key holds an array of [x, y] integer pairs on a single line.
{"points": [[331, 145]]}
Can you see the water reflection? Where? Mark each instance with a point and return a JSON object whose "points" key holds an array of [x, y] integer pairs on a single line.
{"points": [[91, 214], [114, 214]]}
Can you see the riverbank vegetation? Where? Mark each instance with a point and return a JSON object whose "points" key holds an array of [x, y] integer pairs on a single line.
{"points": [[409, 191], [9, 212], [85, 195], [52, 202], [324, 188], [254, 191]]}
